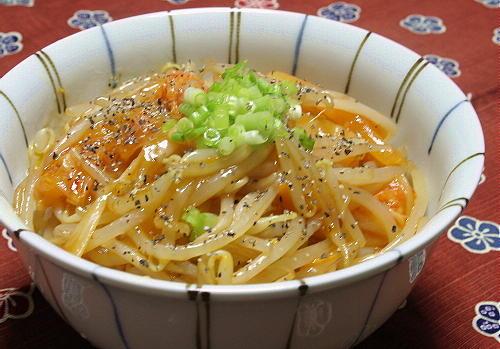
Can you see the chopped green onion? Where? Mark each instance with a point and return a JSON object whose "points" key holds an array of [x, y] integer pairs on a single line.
{"points": [[308, 143], [253, 137], [168, 125], [226, 145], [219, 120], [184, 125], [195, 132], [186, 109], [262, 121], [200, 222], [198, 118], [211, 137], [240, 109], [289, 88], [194, 96], [237, 134], [178, 136], [305, 140]]}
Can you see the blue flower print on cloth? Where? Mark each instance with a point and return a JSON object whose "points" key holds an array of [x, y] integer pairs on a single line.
{"points": [[17, 2], [85, 19], [487, 319], [447, 65], [10, 43], [340, 11], [490, 3], [420, 24], [176, 2], [496, 36], [474, 235]]}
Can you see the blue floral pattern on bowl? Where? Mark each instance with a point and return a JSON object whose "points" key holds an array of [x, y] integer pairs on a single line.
{"points": [[28, 3], [487, 319], [10, 43], [340, 11], [85, 19], [447, 65], [490, 3], [420, 24], [496, 36], [474, 235]]}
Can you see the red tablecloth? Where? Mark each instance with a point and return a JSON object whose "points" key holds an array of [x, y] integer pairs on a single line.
{"points": [[455, 303]]}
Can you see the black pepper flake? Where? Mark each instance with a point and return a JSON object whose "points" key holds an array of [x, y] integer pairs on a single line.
{"points": [[158, 239], [394, 228], [144, 263], [54, 156]]}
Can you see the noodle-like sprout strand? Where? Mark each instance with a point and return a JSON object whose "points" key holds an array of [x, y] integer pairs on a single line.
{"points": [[221, 175]]}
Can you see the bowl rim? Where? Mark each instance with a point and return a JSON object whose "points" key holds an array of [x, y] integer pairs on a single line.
{"points": [[370, 268]]}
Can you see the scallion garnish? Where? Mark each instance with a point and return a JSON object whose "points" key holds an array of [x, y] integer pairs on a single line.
{"points": [[241, 109], [305, 140], [200, 222]]}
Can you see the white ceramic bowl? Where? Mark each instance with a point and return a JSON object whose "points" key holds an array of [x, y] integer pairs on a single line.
{"points": [[118, 310]]}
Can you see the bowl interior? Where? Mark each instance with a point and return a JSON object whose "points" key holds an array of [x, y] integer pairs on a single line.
{"points": [[436, 122]]}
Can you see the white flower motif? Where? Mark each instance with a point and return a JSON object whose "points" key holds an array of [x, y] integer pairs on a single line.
{"points": [[447, 65], [416, 264], [340, 11], [28, 3], [474, 235], [16, 304], [420, 24], [490, 3], [313, 316], [268, 4], [85, 19], [72, 296], [496, 36], [10, 243]]}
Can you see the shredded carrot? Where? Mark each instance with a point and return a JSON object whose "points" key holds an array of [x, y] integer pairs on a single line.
{"points": [[285, 197], [393, 196], [172, 90]]}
